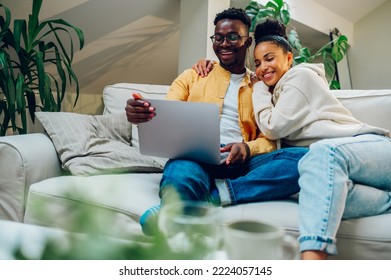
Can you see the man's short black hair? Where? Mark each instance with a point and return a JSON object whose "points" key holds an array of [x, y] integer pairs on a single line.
{"points": [[234, 13]]}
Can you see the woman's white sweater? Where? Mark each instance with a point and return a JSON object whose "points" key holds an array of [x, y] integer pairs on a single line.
{"points": [[302, 109]]}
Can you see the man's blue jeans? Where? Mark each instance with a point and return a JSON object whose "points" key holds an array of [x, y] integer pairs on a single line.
{"points": [[263, 177]]}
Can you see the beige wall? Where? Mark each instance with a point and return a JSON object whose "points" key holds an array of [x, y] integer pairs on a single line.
{"points": [[196, 26], [139, 41], [126, 41], [369, 58]]}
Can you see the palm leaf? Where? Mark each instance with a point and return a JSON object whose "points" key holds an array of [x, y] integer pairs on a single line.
{"points": [[33, 23], [63, 78], [20, 30], [31, 102], [74, 77], [19, 92], [36, 45], [5, 22]]}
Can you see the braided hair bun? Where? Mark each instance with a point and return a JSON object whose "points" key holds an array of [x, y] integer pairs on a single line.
{"points": [[272, 30]]}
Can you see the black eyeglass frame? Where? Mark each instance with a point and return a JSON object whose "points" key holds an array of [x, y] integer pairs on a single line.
{"points": [[225, 37]]}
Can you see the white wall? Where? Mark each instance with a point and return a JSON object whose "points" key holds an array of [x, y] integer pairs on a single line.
{"points": [[312, 14], [369, 58], [196, 26]]}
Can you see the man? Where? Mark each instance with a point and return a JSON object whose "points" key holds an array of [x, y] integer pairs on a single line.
{"points": [[254, 169]]}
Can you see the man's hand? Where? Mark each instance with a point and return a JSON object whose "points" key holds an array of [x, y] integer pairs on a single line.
{"points": [[203, 67], [238, 152], [138, 110]]}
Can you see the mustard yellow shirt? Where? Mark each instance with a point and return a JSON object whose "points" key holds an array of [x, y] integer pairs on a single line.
{"points": [[189, 86]]}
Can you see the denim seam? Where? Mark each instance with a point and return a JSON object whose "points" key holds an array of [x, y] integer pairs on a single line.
{"points": [[330, 187], [231, 192], [327, 240], [316, 243]]}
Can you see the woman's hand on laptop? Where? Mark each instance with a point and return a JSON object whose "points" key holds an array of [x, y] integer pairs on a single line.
{"points": [[238, 153], [138, 110]]}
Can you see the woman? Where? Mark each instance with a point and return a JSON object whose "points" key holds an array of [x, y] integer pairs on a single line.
{"points": [[295, 105]]}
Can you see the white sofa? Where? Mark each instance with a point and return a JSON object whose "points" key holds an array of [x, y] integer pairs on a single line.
{"points": [[35, 189]]}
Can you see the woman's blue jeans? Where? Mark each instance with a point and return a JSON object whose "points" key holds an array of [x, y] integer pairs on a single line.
{"points": [[263, 177], [335, 176]]}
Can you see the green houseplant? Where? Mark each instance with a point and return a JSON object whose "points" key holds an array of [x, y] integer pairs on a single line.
{"points": [[331, 53], [89, 238], [26, 53]]}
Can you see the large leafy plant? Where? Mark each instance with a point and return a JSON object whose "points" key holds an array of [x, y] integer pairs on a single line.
{"points": [[26, 53], [331, 53]]}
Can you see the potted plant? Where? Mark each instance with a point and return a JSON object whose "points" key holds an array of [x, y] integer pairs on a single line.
{"points": [[331, 53], [25, 55]]}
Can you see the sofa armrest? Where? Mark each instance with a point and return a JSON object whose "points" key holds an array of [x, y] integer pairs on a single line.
{"points": [[24, 160]]}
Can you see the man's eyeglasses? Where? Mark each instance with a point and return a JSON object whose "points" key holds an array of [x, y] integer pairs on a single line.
{"points": [[232, 38]]}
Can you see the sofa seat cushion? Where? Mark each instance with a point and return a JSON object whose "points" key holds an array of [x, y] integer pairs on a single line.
{"points": [[363, 238], [118, 201]]}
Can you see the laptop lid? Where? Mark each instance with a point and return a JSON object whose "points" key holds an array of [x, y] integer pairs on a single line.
{"points": [[182, 130]]}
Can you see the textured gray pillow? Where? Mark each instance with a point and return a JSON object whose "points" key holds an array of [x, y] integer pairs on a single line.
{"points": [[90, 145]]}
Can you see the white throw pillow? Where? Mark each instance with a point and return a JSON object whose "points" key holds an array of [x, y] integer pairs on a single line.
{"points": [[115, 97], [90, 145]]}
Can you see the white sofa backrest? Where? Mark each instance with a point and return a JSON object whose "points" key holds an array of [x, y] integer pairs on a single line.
{"points": [[115, 96], [370, 106]]}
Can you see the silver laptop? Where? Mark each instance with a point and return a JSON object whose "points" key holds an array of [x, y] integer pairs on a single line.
{"points": [[182, 130]]}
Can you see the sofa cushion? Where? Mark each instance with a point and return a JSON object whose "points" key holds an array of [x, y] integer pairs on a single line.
{"points": [[116, 200], [119, 200], [363, 238], [89, 145], [24, 160]]}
